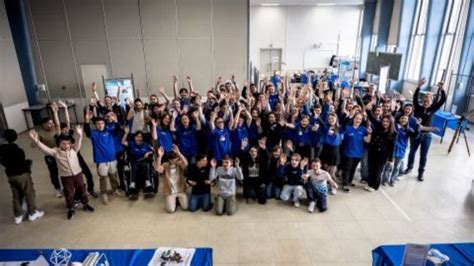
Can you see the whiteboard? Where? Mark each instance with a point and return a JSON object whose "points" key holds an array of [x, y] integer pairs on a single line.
{"points": [[317, 58]]}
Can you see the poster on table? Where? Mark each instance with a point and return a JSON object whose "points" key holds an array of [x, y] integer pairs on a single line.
{"points": [[125, 85]]}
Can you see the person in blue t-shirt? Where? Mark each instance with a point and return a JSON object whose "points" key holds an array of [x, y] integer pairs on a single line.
{"points": [[113, 126], [272, 95], [220, 136], [162, 133], [355, 137], [292, 173], [103, 145], [331, 139], [140, 155], [186, 133], [404, 132], [240, 130], [303, 136]]}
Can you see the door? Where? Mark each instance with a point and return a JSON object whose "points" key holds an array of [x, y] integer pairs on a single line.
{"points": [[270, 60], [93, 73]]}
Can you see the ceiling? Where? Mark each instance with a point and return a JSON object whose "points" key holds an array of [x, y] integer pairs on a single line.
{"points": [[306, 2]]}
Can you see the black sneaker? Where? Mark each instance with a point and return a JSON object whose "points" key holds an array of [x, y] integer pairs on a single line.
{"points": [[353, 185], [407, 171], [93, 194], [88, 208], [420, 178], [391, 184], [346, 189], [70, 213]]}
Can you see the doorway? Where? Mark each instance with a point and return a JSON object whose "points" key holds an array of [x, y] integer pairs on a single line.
{"points": [[270, 60]]}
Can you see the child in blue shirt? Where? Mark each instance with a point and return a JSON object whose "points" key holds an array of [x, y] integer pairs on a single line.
{"points": [[186, 134], [220, 134], [103, 144], [292, 174]]}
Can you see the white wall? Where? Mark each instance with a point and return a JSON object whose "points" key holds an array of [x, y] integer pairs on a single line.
{"points": [[12, 90], [153, 39], [295, 29]]}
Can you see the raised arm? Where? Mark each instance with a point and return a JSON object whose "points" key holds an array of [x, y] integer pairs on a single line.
{"points": [[197, 120], [35, 138], [183, 162], [416, 95], [190, 84], [213, 171], [78, 142], [55, 109], [154, 124], [163, 93], [438, 104], [126, 131], [66, 113], [173, 121], [158, 166], [175, 87]]}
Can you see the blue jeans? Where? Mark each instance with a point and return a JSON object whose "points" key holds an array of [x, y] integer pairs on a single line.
{"points": [[202, 200], [391, 172], [292, 193], [424, 143], [273, 191], [318, 195]]}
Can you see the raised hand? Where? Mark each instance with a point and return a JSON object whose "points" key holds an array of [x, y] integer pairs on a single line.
{"points": [[94, 86], [304, 162], [244, 144], [188, 78], [283, 159], [161, 90], [154, 122], [175, 149], [213, 163], [237, 162], [62, 104], [262, 143], [421, 82], [175, 80], [54, 107], [79, 130], [88, 116], [441, 85], [126, 130], [33, 135], [161, 152]]}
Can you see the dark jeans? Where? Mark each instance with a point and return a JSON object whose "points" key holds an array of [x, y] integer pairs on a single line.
{"points": [[349, 166], [376, 165], [140, 172], [197, 201], [317, 195], [86, 171], [273, 191], [424, 143], [74, 185], [255, 189], [120, 157], [53, 171]]}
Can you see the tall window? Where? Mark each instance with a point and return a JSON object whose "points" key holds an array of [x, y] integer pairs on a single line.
{"points": [[448, 39], [417, 40], [373, 42]]}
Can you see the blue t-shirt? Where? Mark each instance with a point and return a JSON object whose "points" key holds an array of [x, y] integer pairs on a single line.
{"points": [[303, 136], [165, 139], [136, 151], [103, 145], [221, 143], [401, 143], [187, 140], [239, 133], [273, 100], [354, 141], [331, 138], [291, 175]]}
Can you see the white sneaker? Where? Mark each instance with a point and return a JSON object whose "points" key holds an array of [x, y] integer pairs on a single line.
{"points": [[132, 185], [59, 193], [297, 204], [333, 191], [369, 189], [311, 206], [105, 199], [19, 219], [36, 215], [147, 183]]}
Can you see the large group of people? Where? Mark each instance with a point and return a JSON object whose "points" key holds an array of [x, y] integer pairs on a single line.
{"points": [[279, 139]]}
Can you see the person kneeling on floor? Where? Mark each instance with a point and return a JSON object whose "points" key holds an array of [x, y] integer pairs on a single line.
{"points": [[226, 176], [198, 179], [69, 169], [316, 186], [174, 183]]}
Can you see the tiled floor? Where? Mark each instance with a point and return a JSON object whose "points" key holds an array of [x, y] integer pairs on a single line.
{"points": [[439, 210]]}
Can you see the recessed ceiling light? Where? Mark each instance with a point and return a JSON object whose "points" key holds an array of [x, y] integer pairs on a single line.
{"points": [[326, 4], [269, 4]]}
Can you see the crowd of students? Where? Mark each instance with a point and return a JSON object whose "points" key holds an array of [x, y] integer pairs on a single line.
{"points": [[278, 139]]}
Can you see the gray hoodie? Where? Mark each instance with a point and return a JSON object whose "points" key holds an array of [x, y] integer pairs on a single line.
{"points": [[226, 179]]}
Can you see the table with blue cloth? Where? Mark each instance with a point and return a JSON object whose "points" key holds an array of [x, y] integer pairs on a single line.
{"points": [[443, 120], [139, 257], [392, 255]]}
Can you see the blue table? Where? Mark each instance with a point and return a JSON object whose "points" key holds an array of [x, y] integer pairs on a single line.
{"points": [[138, 257], [392, 255], [443, 120]]}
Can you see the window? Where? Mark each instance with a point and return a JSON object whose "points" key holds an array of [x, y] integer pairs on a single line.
{"points": [[417, 40], [373, 42], [391, 48], [447, 41]]}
